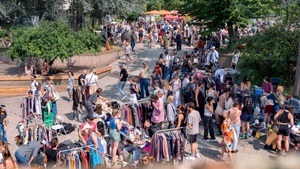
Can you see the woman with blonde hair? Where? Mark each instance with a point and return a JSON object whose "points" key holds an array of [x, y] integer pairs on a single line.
{"points": [[115, 126], [134, 90], [276, 99], [171, 112]]}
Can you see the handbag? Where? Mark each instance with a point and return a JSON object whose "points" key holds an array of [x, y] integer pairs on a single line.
{"points": [[219, 110]]}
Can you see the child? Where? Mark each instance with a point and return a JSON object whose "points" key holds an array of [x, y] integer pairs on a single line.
{"points": [[228, 134]]}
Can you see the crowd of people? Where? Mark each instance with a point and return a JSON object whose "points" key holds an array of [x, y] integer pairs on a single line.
{"points": [[184, 91]]}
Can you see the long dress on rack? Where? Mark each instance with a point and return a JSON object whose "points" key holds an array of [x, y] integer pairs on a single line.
{"points": [[176, 93], [48, 120], [38, 102]]}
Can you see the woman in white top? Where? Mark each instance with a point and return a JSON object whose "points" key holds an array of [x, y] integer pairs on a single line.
{"points": [[176, 83], [207, 121], [212, 92]]}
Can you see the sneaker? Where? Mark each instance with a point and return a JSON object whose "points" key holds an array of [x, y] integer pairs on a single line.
{"points": [[221, 157], [207, 140], [214, 140]]}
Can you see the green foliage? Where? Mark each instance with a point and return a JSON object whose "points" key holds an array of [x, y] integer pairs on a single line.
{"points": [[3, 33], [51, 40], [215, 14], [88, 40], [272, 53]]}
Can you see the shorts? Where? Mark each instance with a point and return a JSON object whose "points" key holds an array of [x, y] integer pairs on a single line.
{"points": [[192, 138], [127, 56], [284, 130], [115, 135], [268, 109], [70, 90], [246, 117]]}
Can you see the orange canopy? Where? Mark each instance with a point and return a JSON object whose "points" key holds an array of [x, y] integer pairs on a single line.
{"points": [[170, 17], [155, 12]]}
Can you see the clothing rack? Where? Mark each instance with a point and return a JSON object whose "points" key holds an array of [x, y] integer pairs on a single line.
{"points": [[168, 130], [139, 101]]}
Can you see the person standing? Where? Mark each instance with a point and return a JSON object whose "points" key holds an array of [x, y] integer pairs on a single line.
{"points": [[247, 113], [178, 40], [91, 81], [48, 117], [235, 118], [193, 120], [158, 112], [114, 134], [128, 50], [70, 85], [3, 116], [50, 157], [133, 39], [285, 118], [171, 112], [82, 87], [144, 81], [33, 84], [208, 119], [91, 101], [122, 81]]}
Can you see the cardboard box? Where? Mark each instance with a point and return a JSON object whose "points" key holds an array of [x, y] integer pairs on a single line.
{"points": [[271, 139]]}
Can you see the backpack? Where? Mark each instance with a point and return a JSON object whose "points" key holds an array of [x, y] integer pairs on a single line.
{"points": [[188, 91], [248, 102], [68, 128], [176, 60]]}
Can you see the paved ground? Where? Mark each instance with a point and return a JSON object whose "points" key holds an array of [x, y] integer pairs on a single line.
{"points": [[248, 149]]}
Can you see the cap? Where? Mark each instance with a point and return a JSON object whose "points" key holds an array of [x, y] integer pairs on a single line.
{"points": [[43, 142], [86, 126]]}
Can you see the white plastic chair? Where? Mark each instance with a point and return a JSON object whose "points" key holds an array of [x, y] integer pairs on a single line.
{"points": [[58, 125]]}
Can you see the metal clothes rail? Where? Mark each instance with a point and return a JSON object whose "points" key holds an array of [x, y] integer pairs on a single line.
{"points": [[167, 130]]}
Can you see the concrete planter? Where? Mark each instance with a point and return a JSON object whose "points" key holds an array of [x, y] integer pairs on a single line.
{"points": [[90, 60]]}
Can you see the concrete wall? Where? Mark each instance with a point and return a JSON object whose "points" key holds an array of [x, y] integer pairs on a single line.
{"points": [[92, 60]]}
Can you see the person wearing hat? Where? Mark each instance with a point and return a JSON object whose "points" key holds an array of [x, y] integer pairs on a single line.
{"points": [[122, 81], [25, 154], [275, 99], [84, 136], [247, 113]]}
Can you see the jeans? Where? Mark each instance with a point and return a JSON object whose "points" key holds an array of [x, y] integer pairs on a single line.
{"points": [[208, 126], [178, 45], [156, 127], [136, 153], [166, 73], [144, 86], [132, 46], [121, 87], [3, 133], [23, 161], [237, 128]]}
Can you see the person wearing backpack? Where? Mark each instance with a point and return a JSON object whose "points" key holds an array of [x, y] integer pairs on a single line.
{"points": [[247, 113], [170, 112], [189, 91]]}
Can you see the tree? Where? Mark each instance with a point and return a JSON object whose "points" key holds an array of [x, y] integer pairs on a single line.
{"points": [[215, 14], [272, 53], [51, 40]]}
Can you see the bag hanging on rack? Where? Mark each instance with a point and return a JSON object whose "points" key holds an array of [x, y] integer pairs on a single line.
{"points": [[95, 158]]}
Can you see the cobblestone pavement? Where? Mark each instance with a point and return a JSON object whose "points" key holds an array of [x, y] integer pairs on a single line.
{"points": [[248, 149]]}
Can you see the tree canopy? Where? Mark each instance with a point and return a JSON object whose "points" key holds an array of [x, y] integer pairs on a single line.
{"points": [[215, 14]]}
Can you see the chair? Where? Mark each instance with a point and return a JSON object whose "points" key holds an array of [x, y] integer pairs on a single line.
{"points": [[58, 124]]}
